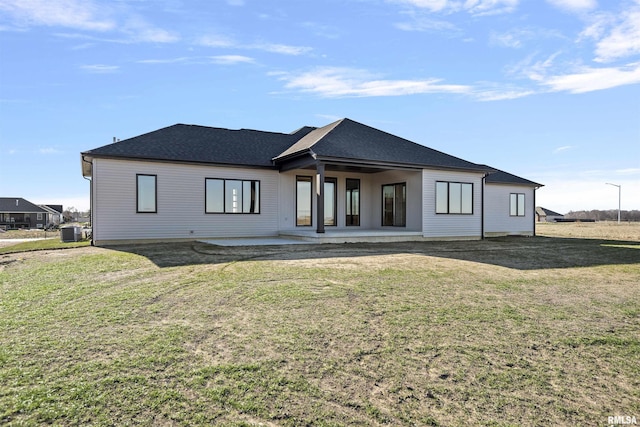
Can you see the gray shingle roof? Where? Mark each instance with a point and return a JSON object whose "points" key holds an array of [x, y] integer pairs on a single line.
{"points": [[343, 140], [191, 143], [501, 177], [348, 139], [548, 212], [18, 205]]}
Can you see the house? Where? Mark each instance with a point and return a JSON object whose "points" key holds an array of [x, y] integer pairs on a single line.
{"points": [[547, 215], [16, 212], [342, 182], [54, 215]]}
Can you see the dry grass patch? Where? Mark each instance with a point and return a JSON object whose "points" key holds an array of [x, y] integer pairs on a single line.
{"points": [[500, 332], [591, 230]]}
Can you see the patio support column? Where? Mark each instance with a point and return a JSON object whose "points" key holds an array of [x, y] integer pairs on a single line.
{"points": [[320, 197]]}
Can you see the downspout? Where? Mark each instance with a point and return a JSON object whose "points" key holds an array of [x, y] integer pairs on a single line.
{"points": [[534, 210], [482, 207]]}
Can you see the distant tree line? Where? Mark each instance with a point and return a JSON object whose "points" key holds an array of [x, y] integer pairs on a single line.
{"points": [[608, 215]]}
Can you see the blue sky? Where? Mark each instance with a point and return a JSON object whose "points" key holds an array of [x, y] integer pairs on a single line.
{"points": [[547, 90]]}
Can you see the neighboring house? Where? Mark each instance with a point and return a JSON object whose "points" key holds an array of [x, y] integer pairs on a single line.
{"points": [[187, 181], [547, 215], [54, 215], [16, 212]]}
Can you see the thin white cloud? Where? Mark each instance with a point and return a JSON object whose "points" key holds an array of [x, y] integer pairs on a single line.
{"points": [[179, 60], [78, 14], [501, 94], [623, 40], [329, 117], [517, 37], [282, 49], [86, 15], [531, 68], [597, 25], [432, 5], [426, 24], [235, 2], [219, 59], [563, 148], [139, 30], [628, 171], [338, 82], [48, 150], [216, 40], [100, 68], [490, 7], [587, 79], [321, 30], [342, 82], [574, 5], [232, 59], [221, 41], [509, 39], [474, 7]]}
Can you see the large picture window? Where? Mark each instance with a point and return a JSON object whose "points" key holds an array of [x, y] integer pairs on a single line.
{"points": [[146, 193], [232, 196], [454, 198], [394, 205], [303, 201], [353, 202], [516, 204]]}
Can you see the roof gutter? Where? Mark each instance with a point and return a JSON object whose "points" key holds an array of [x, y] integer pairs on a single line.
{"points": [[86, 163], [185, 162]]}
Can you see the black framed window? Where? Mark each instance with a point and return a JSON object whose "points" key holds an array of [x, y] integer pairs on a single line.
{"points": [[303, 201], [394, 205], [454, 198], [353, 202], [330, 201], [146, 193], [233, 196], [516, 204]]}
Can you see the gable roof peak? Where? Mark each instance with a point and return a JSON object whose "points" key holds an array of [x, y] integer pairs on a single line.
{"points": [[348, 140]]}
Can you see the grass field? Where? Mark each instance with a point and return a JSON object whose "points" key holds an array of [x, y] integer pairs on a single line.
{"points": [[501, 332]]}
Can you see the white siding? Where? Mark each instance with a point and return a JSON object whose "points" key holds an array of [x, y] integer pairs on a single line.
{"points": [[447, 225], [370, 198], [497, 219], [414, 197], [180, 202]]}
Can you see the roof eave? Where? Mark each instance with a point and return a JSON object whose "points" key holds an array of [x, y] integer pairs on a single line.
{"points": [[188, 162], [528, 184], [379, 163]]}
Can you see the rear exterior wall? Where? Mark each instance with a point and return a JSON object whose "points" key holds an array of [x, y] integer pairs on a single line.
{"points": [[180, 203], [498, 220], [451, 226]]}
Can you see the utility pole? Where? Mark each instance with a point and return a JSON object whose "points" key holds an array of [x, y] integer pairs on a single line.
{"points": [[619, 197]]}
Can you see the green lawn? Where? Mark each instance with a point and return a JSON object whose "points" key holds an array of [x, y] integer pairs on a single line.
{"points": [[537, 331], [38, 245]]}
